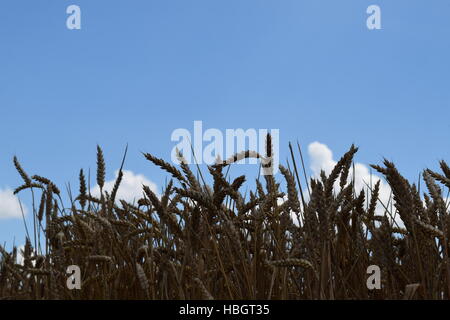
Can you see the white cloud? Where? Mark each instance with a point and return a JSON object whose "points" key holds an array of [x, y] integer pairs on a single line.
{"points": [[130, 188], [321, 158], [20, 258], [9, 205]]}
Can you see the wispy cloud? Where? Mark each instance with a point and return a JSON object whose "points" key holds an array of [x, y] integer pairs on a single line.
{"points": [[321, 158], [130, 188], [10, 205]]}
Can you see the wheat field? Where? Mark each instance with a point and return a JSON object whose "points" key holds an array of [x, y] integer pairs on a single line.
{"points": [[286, 239]]}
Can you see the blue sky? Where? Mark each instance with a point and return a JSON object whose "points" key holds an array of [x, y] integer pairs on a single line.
{"points": [[137, 70]]}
